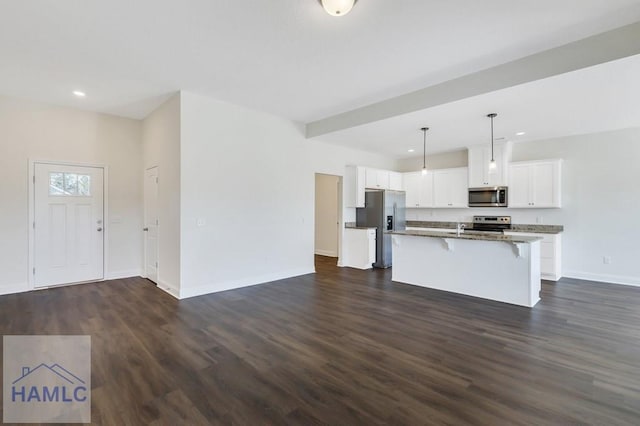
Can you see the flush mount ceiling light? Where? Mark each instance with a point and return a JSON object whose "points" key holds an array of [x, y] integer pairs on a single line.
{"points": [[424, 150], [492, 163], [521, 133], [79, 93], [337, 7], [412, 150]]}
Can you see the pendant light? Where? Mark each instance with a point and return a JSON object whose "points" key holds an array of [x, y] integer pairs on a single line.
{"points": [[337, 7], [492, 163], [424, 150]]}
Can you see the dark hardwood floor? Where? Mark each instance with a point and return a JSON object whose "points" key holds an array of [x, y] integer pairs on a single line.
{"points": [[348, 347]]}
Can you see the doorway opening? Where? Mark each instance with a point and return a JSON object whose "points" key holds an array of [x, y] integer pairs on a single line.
{"points": [[328, 215]]}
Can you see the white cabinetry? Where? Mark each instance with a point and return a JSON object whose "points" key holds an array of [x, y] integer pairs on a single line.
{"points": [[419, 189], [479, 158], [535, 184], [358, 178], [550, 254], [395, 181], [450, 188], [359, 248], [376, 179], [353, 186]]}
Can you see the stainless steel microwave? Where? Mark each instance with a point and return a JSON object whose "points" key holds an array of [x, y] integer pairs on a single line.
{"points": [[494, 196]]}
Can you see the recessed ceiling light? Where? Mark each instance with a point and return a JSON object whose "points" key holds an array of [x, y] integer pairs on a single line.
{"points": [[412, 150], [79, 94], [521, 133]]}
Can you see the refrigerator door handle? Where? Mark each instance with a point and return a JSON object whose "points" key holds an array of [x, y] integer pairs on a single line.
{"points": [[395, 216]]}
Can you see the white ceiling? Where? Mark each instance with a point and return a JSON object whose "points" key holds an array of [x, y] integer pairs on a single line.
{"points": [[595, 99], [292, 59]]}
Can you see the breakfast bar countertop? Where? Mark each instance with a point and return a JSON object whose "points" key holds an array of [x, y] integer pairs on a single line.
{"points": [[484, 236]]}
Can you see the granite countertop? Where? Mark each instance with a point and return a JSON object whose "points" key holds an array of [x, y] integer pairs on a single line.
{"points": [[469, 236], [352, 225], [537, 229]]}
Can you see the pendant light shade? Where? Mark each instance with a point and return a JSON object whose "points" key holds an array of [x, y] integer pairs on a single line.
{"points": [[424, 150], [492, 163], [338, 7]]}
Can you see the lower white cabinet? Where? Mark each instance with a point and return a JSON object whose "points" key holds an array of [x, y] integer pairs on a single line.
{"points": [[550, 254], [359, 248]]}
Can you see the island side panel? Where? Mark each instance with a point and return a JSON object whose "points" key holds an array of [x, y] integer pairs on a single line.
{"points": [[494, 270]]}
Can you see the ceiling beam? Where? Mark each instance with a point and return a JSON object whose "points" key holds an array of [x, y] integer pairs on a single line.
{"points": [[611, 45]]}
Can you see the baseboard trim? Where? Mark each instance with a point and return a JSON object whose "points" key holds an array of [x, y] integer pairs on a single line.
{"points": [[117, 275], [186, 293], [168, 288], [362, 267], [327, 253], [603, 278], [14, 288]]}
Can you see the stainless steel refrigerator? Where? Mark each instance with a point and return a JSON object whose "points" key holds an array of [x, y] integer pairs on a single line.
{"points": [[386, 211]]}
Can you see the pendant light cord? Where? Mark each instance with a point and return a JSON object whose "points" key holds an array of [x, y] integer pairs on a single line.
{"points": [[491, 139], [492, 116], [424, 147]]}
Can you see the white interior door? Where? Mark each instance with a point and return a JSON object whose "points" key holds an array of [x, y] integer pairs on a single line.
{"points": [[68, 226], [151, 223]]}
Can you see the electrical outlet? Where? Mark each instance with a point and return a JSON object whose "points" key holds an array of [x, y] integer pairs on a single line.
{"points": [[539, 220], [201, 222], [606, 260]]}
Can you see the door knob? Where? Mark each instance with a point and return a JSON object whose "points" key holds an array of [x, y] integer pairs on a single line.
{"points": [[99, 229], [145, 229]]}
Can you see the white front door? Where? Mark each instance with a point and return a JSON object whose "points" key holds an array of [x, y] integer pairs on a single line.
{"points": [[68, 226], [151, 223]]}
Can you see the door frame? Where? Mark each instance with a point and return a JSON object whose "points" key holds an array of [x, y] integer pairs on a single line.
{"points": [[144, 218], [32, 208], [340, 195]]}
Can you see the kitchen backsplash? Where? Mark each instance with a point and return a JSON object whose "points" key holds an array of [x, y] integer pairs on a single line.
{"points": [[528, 216]]}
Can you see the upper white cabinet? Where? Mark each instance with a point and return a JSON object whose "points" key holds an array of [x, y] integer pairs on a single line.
{"points": [[450, 188], [535, 184], [358, 178], [376, 179], [353, 186], [395, 181], [479, 158], [419, 189]]}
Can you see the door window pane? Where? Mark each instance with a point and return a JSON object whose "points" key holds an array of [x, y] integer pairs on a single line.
{"points": [[69, 184], [56, 183], [84, 185]]}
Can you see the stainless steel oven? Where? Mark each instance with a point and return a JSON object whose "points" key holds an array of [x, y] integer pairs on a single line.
{"points": [[495, 196]]}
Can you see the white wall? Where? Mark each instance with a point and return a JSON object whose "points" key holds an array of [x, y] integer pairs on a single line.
{"points": [[249, 177], [35, 131], [444, 160], [161, 141], [601, 203], [326, 215]]}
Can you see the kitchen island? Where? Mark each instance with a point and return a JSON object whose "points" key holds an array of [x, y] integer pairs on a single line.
{"points": [[505, 268]]}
